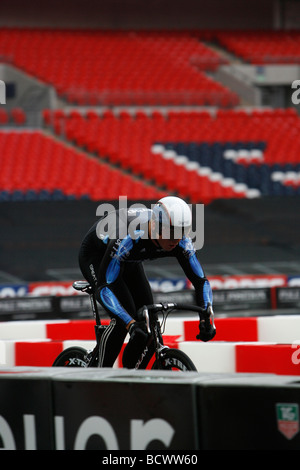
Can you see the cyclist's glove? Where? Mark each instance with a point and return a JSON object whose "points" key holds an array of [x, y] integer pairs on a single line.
{"points": [[207, 330], [205, 335]]}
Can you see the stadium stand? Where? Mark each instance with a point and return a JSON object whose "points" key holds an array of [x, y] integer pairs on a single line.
{"points": [[16, 116], [263, 47], [43, 168], [201, 156], [216, 150], [119, 68]]}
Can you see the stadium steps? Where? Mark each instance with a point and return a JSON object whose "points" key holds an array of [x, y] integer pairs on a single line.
{"points": [[231, 59], [225, 54]]}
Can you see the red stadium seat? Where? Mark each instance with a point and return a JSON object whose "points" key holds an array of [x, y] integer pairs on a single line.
{"points": [[129, 142], [42, 163], [119, 68], [4, 117], [263, 47]]}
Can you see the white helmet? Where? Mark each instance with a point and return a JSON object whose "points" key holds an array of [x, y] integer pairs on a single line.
{"points": [[173, 215]]}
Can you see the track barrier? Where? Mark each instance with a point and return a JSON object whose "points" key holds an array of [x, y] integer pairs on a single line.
{"points": [[83, 409], [245, 394], [246, 344]]}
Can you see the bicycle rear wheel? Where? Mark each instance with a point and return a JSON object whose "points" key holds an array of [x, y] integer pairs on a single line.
{"points": [[174, 359], [71, 357]]}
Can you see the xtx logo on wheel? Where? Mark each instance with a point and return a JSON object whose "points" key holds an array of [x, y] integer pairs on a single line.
{"points": [[75, 362], [174, 363]]}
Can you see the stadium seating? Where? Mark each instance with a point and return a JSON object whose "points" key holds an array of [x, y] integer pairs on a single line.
{"points": [[220, 152], [197, 154], [16, 117], [119, 68], [263, 47], [37, 167]]}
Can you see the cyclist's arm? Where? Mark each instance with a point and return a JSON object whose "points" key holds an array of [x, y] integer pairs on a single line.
{"points": [[187, 257], [109, 274]]}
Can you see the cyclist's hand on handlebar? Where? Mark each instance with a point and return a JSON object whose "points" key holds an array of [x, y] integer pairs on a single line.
{"points": [[206, 335], [207, 329]]}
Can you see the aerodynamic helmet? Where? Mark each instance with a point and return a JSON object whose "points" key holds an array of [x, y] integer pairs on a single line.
{"points": [[173, 217]]}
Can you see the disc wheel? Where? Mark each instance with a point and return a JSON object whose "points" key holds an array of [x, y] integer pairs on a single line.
{"points": [[174, 359], [71, 357]]}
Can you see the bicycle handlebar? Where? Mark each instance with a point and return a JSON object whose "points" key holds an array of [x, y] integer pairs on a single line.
{"points": [[204, 315], [164, 306]]}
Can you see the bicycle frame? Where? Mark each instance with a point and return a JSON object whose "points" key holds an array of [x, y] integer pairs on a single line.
{"points": [[149, 314], [154, 331]]}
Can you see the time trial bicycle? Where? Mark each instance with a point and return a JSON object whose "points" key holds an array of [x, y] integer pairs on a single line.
{"points": [[166, 358]]}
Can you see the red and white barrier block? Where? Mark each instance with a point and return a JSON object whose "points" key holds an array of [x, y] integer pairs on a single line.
{"points": [[231, 357], [248, 344]]}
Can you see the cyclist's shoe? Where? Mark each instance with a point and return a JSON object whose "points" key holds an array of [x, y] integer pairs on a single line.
{"points": [[207, 329]]}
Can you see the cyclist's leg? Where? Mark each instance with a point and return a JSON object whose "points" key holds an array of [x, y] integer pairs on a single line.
{"points": [[115, 298], [114, 335], [138, 285], [111, 342]]}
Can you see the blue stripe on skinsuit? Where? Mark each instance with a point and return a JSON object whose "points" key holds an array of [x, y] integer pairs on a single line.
{"points": [[111, 302], [187, 245], [207, 294], [108, 298], [114, 267], [112, 271]]}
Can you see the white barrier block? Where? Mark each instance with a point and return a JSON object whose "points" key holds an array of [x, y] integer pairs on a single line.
{"points": [[23, 329], [211, 357], [7, 353], [283, 329], [82, 344], [175, 326]]}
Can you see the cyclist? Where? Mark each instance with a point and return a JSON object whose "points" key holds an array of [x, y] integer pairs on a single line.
{"points": [[111, 259]]}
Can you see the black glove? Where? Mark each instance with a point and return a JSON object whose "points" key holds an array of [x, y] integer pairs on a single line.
{"points": [[205, 335], [207, 330]]}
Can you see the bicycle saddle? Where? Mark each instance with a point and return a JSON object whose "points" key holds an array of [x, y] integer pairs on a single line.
{"points": [[81, 285]]}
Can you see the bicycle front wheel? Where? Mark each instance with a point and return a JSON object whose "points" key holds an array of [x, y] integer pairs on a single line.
{"points": [[174, 359], [71, 357]]}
